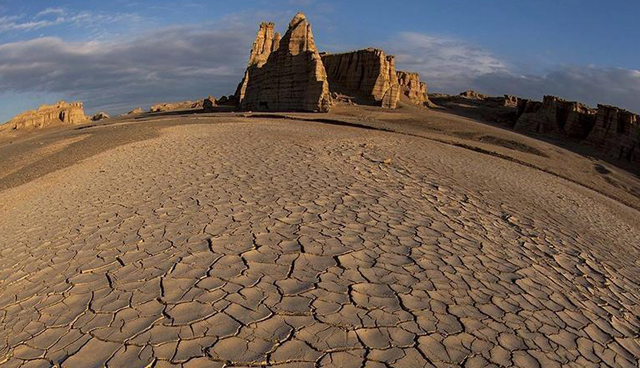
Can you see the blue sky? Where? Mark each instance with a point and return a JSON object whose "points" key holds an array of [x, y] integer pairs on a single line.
{"points": [[117, 55]]}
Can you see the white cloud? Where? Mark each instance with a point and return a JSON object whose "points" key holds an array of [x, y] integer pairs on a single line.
{"points": [[56, 16], [167, 64], [449, 65], [446, 63], [13, 23]]}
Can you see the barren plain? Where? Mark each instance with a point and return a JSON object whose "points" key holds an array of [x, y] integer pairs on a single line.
{"points": [[360, 238]]}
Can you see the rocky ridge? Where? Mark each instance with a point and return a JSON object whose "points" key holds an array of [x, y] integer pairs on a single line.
{"points": [[136, 111], [616, 132], [472, 95], [613, 131], [555, 116], [62, 113], [173, 106]]}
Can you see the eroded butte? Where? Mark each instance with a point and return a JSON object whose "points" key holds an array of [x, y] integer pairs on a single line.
{"points": [[370, 238]]}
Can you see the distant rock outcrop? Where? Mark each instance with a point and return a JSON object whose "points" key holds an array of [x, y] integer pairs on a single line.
{"points": [[367, 74], [473, 95], [136, 111], [285, 74], [501, 110], [173, 106], [412, 87], [62, 113], [510, 101], [100, 116], [209, 104], [613, 131], [555, 116], [616, 133]]}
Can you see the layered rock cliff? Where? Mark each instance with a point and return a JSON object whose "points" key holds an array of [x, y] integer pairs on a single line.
{"points": [[285, 74], [62, 113], [613, 131], [173, 106], [412, 87], [555, 116], [472, 95], [367, 74], [616, 133]]}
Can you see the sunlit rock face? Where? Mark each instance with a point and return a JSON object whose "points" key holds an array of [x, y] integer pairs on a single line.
{"points": [[367, 74], [49, 115], [285, 74]]}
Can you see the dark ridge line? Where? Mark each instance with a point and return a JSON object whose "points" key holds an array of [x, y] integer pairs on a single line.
{"points": [[86, 127], [459, 145]]}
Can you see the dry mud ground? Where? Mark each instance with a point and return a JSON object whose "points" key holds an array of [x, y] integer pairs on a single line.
{"points": [[410, 238]]}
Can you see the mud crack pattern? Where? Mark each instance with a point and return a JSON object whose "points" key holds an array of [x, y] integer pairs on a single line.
{"points": [[298, 244]]}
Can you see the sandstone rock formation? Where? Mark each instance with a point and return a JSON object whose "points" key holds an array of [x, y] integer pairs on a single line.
{"points": [[472, 95], [135, 111], [49, 115], [616, 132], [285, 74], [412, 87], [100, 116], [555, 116], [613, 131], [526, 106], [173, 106], [510, 101], [208, 104], [367, 74]]}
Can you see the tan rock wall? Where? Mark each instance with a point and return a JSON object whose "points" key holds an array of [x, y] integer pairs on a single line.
{"points": [[472, 95], [616, 133], [368, 74], [49, 115], [555, 116], [285, 74], [413, 88]]}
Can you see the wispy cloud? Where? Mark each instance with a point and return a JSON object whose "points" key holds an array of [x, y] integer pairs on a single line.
{"points": [[50, 11], [14, 23], [172, 63], [56, 16]]}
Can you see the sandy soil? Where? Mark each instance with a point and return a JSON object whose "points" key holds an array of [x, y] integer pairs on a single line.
{"points": [[372, 238]]}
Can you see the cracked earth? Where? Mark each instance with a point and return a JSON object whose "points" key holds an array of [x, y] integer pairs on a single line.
{"points": [[300, 244]]}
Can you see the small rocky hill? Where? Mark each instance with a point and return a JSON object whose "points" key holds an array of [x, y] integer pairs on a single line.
{"points": [[62, 113]]}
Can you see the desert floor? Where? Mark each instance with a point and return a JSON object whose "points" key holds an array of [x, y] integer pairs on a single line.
{"points": [[364, 237]]}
